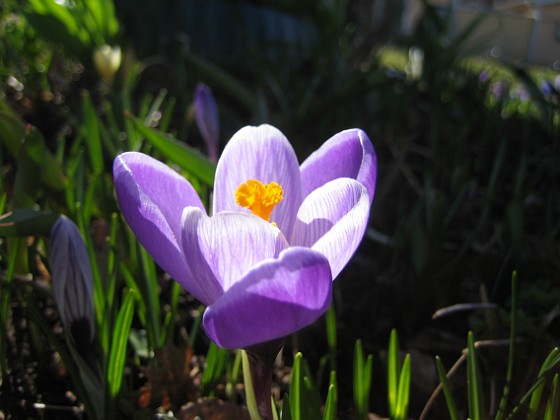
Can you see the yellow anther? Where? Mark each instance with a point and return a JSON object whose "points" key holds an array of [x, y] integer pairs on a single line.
{"points": [[258, 197]]}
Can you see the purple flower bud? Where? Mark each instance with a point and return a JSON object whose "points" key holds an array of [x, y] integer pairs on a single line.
{"points": [[72, 280], [547, 88], [206, 115]]}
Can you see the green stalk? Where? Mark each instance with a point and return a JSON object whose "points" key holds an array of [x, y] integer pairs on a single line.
{"points": [[513, 333]]}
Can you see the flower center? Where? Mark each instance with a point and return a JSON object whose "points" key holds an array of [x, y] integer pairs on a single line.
{"points": [[258, 197]]}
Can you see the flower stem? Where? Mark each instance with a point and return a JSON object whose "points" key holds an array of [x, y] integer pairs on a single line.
{"points": [[261, 359]]}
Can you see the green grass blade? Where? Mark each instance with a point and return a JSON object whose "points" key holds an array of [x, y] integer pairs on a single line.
{"points": [[403, 395], [286, 413], [249, 390], [169, 322], [330, 320], [92, 135], [112, 267], [150, 294], [393, 373], [362, 380], [233, 377], [295, 388], [189, 159], [553, 404], [216, 360], [331, 403], [451, 406], [473, 382], [551, 360], [511, 355], [119, 344]]}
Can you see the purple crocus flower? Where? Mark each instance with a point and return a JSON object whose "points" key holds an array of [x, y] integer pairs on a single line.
{"points": [[206, 116], [279, 233], [72, 281]]}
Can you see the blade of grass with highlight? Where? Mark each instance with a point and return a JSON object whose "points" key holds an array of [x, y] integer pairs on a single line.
{"points": [[189, 159], [295, 388], [393, 373], [553, 404], [331, 403], [403, 395], [551, 360], [249, 390], [304, 400], [473, 382], [119, 344]]}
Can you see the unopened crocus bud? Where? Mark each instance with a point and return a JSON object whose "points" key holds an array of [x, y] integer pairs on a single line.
{"points": [[107, 61], [206, 116], [72, 281]]}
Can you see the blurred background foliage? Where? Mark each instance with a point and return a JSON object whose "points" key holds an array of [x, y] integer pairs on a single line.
{"points": [[468, 185]]}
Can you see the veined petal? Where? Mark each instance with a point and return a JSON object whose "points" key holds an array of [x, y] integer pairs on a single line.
{"points": [[347, 154], [152, 197], [332, 220], [274, 299], [222, 248], [262, 153], [72, 278]]}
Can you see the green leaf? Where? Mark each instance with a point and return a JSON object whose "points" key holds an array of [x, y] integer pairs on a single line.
{"points": [[553, 404], [330, 320], [186, 157], [92, 134], [451, 406], [403, 395], [331, 404], [119, 344], [286, 410], [512, 337], [295, 388], [362, 380], [216, 360], [552, 359], [393, 373], [249, 390], [473, 382], [304, 398]]}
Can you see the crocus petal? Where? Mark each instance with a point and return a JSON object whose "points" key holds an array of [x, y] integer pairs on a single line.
{"points": [[72, 276], [206, 116], [222, 248], [274, 299], [152, 197], [347, 154], [262, 153], [332, 220]]}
